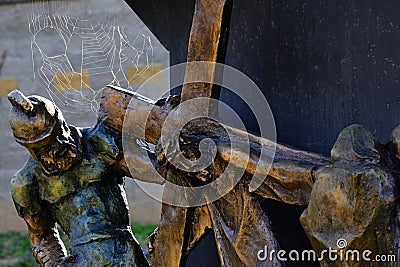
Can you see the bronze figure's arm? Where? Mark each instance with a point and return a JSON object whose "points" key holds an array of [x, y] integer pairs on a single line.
{"points": [[47, 247], [46, 244], [287, 174]]}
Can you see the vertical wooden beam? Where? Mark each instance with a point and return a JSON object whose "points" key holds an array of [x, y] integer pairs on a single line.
{"points": [[208, 39]]}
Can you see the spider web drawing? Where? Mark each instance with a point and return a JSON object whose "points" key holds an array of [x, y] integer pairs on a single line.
{"points": [[85, 56]]}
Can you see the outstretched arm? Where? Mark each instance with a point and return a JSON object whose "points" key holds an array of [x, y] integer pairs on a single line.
{"points": [[290, 177], [285, 174]]}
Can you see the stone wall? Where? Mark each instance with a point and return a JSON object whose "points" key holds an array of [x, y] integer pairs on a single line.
{"points": [[17, 71]]}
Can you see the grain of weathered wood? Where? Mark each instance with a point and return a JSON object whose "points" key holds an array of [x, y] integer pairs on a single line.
{"points": [[206, 43]]}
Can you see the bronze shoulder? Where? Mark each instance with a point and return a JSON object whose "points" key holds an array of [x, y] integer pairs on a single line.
{"points": [[24, 188]]}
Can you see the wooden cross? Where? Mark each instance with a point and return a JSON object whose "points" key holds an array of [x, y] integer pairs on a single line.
{"points": [[180, 229]]}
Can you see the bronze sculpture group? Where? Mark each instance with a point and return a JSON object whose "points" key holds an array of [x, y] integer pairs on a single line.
{"points": [[74, 178]]}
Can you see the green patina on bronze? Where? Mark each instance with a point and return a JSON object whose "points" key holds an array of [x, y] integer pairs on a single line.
{"points": [[71, 179]]}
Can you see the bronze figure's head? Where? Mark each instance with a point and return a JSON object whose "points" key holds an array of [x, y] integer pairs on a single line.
{"points": [[38, 124]]}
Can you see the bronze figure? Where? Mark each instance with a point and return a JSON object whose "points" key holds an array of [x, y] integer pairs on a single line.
{"points": [[72, 179], [240, 225], [354, 202]]}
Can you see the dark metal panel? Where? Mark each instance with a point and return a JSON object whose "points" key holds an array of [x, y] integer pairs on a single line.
{"points": [[170, 21], [321, 64], [204, 254]]}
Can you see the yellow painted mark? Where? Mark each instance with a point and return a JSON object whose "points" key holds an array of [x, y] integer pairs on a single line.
{"points": [[72, 81], [138, 75], [8, 85]]}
